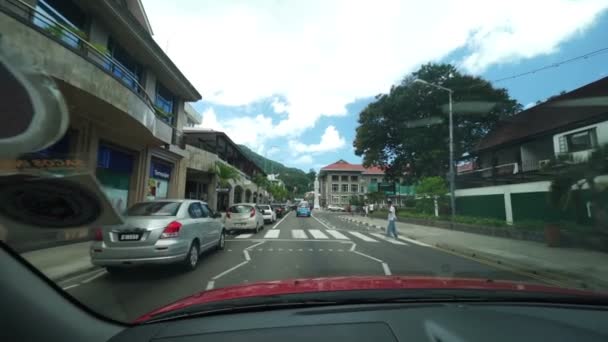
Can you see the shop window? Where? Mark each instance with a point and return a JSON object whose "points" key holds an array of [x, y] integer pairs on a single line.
{"points": [[158, 182], [165, 102]]}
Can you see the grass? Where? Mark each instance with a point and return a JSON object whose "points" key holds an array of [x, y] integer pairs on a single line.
{"points": [[528, 225]]}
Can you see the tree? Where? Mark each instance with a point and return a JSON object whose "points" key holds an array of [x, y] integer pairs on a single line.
{"points": [[311, 175], [566, 187], [225, 173], [407, 129], [261, 182], [428, 190]]}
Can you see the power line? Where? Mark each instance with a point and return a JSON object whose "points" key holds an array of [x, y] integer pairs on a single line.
{"points": [[554, 65]]}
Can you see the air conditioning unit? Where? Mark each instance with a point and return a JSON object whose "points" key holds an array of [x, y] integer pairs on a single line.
{"points": [[543, 163]]}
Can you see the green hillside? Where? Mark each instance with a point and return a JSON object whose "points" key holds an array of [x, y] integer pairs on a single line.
{"points": [[291, 176]]}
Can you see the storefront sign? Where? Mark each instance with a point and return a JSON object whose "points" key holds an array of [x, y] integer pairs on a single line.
{"points": [[160, 171], [42, 164], [222, 189]]}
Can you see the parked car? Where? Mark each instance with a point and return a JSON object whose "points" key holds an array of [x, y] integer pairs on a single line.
{"points": [[159, 232], [269, 215], [244, 216], [332, 207], [303, 210], [279, 210]]}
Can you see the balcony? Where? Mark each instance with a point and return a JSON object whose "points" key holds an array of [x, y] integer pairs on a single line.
{"points": [[91, 80]]}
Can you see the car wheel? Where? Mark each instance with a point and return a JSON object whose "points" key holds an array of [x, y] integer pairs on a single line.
{"points": [[222, 241], [191, 260]]}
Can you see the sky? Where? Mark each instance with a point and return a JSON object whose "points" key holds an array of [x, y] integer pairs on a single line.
{"points": [[289, 78]]}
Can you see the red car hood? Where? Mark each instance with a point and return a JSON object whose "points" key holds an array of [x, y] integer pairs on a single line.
{"points": [[294, 286]]}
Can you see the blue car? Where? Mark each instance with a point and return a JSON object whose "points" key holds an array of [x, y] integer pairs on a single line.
{"points": [[303, 210]]}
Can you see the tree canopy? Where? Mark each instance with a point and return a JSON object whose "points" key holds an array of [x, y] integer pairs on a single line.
{"points": [[406, 131]]}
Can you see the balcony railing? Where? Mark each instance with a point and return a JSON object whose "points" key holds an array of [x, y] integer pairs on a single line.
{"points": [[64, 33]]}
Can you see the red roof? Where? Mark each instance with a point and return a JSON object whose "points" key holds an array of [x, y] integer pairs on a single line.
{"points": [[342, 165]]}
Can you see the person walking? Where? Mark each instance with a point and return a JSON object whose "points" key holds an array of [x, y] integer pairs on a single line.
{"points": [[391, 229], [366, 210]]}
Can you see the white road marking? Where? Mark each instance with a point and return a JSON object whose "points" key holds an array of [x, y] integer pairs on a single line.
{"points": [[270, 249], [340, 250], [367, 256], [362, 237], [387, 271], [331, 250], [320, 249], [324, 225], [272, 234], [388, 239], [298, 234], [260, 249], [415, 242], [281, 220], [94, 277], [69, 287], [246, 253], [243, 236], [300, 250], [291, 250], [230, 270], [317, 234], [210, 285], [337, 235], [280, 249], [310, 250]]}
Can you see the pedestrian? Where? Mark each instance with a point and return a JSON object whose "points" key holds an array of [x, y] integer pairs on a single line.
{"points": [[366, 210], [391, 229]]}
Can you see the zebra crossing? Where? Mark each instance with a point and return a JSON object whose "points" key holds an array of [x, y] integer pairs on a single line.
{"points": [[325, 235]]}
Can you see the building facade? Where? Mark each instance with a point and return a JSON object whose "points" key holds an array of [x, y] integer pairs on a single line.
{"points": [[341, 181], [126, 98], [509, 175]]}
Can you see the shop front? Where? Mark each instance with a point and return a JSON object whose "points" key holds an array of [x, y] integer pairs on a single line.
{"points": [[114, 172], [159, 179]]}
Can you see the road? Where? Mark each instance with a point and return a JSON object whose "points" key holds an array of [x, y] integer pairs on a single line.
{"points": [[320, 246]]}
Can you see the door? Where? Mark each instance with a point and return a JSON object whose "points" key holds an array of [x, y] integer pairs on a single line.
{"points": [[216, 222], [194, 224], [204, 224]]}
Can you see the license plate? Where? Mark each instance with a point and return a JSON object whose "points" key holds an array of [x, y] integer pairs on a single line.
{"points": [[129, 237], [240, 224]]}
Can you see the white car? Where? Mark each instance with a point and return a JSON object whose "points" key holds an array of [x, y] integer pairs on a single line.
{"points": [[334, 208], [244, 216], [268, 213]]}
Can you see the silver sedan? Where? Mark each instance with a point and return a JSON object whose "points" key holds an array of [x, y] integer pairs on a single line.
{"points": [[159, 232]]}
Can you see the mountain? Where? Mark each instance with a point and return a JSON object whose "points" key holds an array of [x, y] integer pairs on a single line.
{"points": [[291, 176]]}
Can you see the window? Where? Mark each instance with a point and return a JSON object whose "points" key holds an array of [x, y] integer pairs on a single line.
{"points": [[374, 180], [354, 178], [195, 210], [165, 102], [206, 210], [334, 188], [354, 188], [580, 141], [335, 199], [335, 178], [344, 187], [125, 67], [154, 209], [66, 13], [345, 178]]}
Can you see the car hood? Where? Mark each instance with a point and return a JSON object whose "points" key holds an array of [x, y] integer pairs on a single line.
{"points": [[330, 284]]}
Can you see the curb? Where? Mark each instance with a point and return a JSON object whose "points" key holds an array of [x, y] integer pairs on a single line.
{"points": [[554, 277]]}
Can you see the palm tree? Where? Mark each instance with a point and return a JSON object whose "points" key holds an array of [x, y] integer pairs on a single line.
{"points": [[261, 182], [225, 173], [566, 187]]}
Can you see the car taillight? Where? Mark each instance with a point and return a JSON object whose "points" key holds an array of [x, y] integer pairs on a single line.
{"points": [[252, 212], [98, 234], [172, 230], [227, 214]]}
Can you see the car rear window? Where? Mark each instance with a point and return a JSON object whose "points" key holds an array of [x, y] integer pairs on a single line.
{"points": [[154, 209], [239, 209], [304, 204]]}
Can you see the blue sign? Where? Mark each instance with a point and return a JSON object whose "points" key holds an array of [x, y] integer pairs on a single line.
{"points": [[160, 171]]}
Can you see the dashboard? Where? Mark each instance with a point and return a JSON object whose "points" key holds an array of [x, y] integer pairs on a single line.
{"points": [[388, 322]]}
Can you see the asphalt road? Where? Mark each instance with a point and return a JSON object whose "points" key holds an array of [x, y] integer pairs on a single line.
{"points": [[320, 246]]}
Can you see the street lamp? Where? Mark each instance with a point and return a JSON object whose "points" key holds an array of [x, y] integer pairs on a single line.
{"points": [[451, 170]]}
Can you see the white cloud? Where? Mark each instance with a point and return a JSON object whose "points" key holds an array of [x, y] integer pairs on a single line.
{"points": [[319, 55], [303, 160], [279, 106], [251, 131], [210, 120], [330, 141]]}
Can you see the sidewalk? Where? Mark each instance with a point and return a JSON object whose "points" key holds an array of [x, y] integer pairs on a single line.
{"points": [[62, 261], [567, 266]]}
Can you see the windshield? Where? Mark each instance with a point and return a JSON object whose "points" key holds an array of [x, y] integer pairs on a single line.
{"points": [[154, 209], [161, 150], [240, 209]]}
